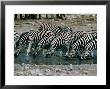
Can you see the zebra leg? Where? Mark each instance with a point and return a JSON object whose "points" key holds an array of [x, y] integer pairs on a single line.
{"points": [[81, 57], [61, 53], [29, 48], [43, 52], [34, 52], [67, 53]]}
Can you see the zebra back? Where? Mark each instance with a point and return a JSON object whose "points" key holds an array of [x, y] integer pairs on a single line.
{"points": [[82, 41], [54, 28], [76, 35], [34, 36]]}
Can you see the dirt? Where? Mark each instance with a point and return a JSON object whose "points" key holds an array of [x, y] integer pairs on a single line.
{"points": [[27, 25], [55, 70]]}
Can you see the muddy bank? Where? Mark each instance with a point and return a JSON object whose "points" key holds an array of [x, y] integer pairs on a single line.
{"points": [[55, 70]]}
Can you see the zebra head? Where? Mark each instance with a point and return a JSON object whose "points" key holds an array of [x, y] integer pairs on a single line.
{"points": [[89, 54], [85, 55], [22, 41], [16, 38]]}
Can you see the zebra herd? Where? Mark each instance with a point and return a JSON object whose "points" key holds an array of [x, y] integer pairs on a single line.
{"points": [[50, 38]]}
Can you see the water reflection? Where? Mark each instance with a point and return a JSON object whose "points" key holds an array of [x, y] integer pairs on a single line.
{"points": [[54, 60]]}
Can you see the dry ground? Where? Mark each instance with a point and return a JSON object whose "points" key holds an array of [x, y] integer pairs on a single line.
{"points": [[55, 70]]}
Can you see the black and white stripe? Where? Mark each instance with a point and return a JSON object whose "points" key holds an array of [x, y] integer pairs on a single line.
{"points": [[62, 40], [66, 38], [44, 43], [54, 28], [35, 36], [32, 37], [89, 48], [16, 38], [76, 35], [80, 44]]}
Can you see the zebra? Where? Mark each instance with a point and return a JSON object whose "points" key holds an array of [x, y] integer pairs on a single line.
{"points": [[23, 40], [77, 35], [63, 40], [32, 38], [54, 28], [16, 38], [22, 43], [78, 46], [72, 38], [90, 49], [44, 43], [93, 33]]}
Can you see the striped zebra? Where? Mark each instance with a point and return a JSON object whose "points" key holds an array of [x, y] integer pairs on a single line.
{"points": [[89, 49], [44, 43], [54, 28], [65, 39], [16, 38], [32, 38], [79, 45], [76, 35], [59, 42]]}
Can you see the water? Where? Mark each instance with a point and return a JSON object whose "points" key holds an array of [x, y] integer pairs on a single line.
{"points": [[53, 60]]}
